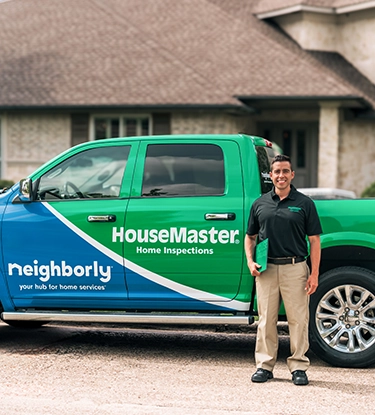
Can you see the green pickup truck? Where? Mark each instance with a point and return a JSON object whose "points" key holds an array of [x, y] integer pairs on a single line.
{"points": [[151, 229]]}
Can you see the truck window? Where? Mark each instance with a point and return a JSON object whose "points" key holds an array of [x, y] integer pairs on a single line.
{"points": [[265, 155], [94, 173], [183, 170]]}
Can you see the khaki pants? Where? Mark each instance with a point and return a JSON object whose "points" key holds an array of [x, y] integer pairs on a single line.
{"points": [[286, 282]]}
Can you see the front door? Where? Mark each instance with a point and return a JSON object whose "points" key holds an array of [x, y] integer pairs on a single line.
{"points": [[299, 141]]}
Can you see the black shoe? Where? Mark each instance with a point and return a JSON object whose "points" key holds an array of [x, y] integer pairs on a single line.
{"points": [[261, 375], [299, 377]]}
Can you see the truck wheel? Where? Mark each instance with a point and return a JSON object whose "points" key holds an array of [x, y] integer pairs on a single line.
{"points": [[342, 317], [24, 324]]}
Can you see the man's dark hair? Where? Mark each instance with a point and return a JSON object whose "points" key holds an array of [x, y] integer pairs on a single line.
{"points": [[282, 157]]}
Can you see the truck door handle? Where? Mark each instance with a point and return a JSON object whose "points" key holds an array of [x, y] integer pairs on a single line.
{"points": [[220, 216], [101, 218]]}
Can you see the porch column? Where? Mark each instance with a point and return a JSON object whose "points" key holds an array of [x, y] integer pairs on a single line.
{"points": [[328, 157]]}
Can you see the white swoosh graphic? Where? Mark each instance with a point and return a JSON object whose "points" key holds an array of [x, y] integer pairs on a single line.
{"points": [[175, 286]]}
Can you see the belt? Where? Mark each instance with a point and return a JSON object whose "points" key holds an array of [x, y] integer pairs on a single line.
{"points": [[286, 260]]}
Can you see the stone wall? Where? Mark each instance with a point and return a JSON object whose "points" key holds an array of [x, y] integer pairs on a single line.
{"points": [[350, 34], [356, 155], [287, 115], [29, 140], [329, 139], [210, 123], [356, 41]]}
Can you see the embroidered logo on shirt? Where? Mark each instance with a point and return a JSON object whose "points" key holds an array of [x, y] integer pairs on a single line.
{"points": [[294, 208]]}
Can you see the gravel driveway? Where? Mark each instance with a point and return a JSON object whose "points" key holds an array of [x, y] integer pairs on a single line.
{"points": [[107, 369]]}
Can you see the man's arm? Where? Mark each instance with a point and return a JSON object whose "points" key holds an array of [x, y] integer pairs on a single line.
{"points": [[250, 242], [312, 281]]}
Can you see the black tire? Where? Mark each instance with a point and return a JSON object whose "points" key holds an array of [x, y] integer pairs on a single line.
{"points": [[342, 317], [24, 324]]}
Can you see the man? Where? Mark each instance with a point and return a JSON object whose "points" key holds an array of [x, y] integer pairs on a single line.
{"points": [[284, 216]]}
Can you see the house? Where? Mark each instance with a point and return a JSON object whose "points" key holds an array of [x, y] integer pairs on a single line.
{"points": [[301, 73]]}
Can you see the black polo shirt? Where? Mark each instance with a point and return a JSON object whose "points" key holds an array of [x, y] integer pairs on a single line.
{"points": [[284, 222]]}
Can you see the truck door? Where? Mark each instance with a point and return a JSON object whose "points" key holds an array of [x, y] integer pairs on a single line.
{"points": [[58, 249], [183, 229]]}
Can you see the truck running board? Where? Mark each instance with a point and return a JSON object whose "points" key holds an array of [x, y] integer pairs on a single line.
{"points": [[129, 318]]}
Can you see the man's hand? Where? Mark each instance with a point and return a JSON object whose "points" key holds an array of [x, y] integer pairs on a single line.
{"points": [[250, 242], [253, 267], [311, 284]]}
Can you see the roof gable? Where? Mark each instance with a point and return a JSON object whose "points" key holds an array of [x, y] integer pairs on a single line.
{"points": [[277, 7], [153, 52]]}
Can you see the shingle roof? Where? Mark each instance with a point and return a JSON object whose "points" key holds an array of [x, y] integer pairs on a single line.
{"points": [[155, 52]]}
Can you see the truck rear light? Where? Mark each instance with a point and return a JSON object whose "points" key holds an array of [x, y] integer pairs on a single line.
{"points": [[268, 143]]}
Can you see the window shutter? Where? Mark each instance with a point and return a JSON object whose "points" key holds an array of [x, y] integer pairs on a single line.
{"points": [[161, 124], [79, 128]]}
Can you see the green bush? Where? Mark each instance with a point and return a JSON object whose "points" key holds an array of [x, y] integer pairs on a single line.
{"points": [[6, 183], [369, 191]]}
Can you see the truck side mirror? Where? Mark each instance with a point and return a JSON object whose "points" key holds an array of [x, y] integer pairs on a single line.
{"points": [[25, 192]]}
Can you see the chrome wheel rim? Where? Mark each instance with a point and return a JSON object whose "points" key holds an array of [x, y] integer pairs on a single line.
{"points": [[345, 319]]}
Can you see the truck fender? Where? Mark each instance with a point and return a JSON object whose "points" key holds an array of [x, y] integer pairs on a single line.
{"points": [[347, 239]]}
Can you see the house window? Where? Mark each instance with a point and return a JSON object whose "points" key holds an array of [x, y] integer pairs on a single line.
{"points": [[120, 126], [86, 127], [136, 126]]}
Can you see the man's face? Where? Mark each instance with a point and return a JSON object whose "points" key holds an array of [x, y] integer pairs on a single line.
{"points": [[281, 175]]}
